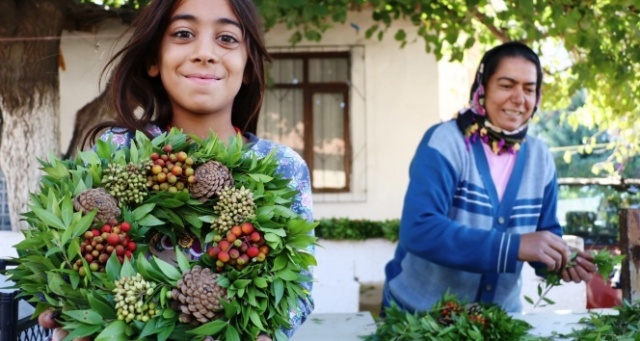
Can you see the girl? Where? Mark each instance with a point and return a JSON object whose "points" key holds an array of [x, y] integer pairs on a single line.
{"points": [[482, 198], [199, 65]]}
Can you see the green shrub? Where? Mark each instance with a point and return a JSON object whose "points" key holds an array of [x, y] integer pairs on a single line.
{"points": [[357, 229]]}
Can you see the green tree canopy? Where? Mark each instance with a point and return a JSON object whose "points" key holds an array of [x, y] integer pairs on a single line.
{"points": [[599, 40], [587, 45]]}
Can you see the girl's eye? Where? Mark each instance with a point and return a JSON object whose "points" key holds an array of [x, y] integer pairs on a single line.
{"points": [[183, 34], [228, 39]]}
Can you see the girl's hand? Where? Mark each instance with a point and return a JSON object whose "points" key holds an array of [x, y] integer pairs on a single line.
{"points": [[47, 319], [59, 334]]}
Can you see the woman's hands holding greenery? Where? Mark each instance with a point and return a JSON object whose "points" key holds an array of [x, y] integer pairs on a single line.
{"points": [[544, 247], [580, 268]]}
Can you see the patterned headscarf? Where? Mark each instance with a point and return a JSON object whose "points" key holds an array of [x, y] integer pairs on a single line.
{"points": [[473, 122]]}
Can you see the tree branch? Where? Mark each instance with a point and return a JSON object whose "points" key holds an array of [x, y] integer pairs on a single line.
{"points": [[498, 33], [85, 16], [98, 110]]}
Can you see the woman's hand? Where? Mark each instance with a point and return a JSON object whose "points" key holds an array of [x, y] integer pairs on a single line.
{"points": [[582, 269], [545, 247]]}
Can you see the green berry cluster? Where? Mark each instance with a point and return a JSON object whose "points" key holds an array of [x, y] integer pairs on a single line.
{"points": [[234, 207], [133, 299], [127, 183]]}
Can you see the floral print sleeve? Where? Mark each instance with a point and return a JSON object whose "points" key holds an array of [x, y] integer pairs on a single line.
{"points": [[122, 137], [293, 167]]}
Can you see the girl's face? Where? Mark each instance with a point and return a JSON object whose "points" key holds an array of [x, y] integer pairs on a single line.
{"points": [[202, 58], [511, 93]]}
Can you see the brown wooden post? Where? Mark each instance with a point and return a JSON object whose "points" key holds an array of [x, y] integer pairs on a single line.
{"points": [[630, 248]]}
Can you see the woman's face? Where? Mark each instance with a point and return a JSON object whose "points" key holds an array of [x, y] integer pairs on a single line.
{"points": [[510, 95]]}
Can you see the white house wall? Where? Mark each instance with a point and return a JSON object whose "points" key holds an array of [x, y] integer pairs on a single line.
{"points": [[85, 55], [402, 91], [402, 95]]}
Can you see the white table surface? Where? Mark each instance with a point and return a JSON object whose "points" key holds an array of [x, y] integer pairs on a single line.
{"points": [[336, 327], [559, 321]]}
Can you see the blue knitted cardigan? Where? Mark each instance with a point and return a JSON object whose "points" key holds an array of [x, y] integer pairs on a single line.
{"points": [[456, 236]]}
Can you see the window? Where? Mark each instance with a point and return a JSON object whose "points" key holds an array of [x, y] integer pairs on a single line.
{"points": [[306, 107]]}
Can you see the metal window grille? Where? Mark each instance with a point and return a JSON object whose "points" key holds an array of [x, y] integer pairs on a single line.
{"points": [[5, 221], [11, 327]]}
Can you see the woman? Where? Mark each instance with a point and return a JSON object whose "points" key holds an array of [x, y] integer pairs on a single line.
{"points": [[482, 197]]}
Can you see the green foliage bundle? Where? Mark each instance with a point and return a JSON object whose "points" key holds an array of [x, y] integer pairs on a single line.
{"points": [[57, 271], [604, 261], [450, 320], [350, 229], [623, 326]]}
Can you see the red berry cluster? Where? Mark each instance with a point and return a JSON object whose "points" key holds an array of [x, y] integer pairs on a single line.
{"points": [[243, 244], [98, 245], [451, 308], [479, 319], [170, 172]]}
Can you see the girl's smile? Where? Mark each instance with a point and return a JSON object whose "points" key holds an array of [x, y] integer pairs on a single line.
{"points": [[203, 78], [201, 61]]}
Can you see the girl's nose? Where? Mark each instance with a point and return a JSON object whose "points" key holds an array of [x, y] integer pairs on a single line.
{"points": [[205, 52]]}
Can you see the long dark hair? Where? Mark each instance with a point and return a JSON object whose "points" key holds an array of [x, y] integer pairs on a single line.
{"points": [[131, 87], [492, 58]]}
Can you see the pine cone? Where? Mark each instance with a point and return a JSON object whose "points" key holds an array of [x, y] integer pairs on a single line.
{"points": [[474, 309], [98, 198], [211, 178], [198, 296], [445, 321], [234, 207], [475, 313]]}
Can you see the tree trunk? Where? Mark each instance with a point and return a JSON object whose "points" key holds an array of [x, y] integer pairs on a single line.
{"points": [[29, 93]]}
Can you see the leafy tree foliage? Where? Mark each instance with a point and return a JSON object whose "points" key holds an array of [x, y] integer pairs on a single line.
{"points": [[587, 45]]}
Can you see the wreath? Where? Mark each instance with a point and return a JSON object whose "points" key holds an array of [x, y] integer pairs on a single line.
{"points": [[170, 238], [450, 319]]}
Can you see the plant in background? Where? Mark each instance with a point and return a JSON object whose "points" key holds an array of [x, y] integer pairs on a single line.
{"points": [[604, 261], [357, 229], [91, 251], [450, 319]]}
